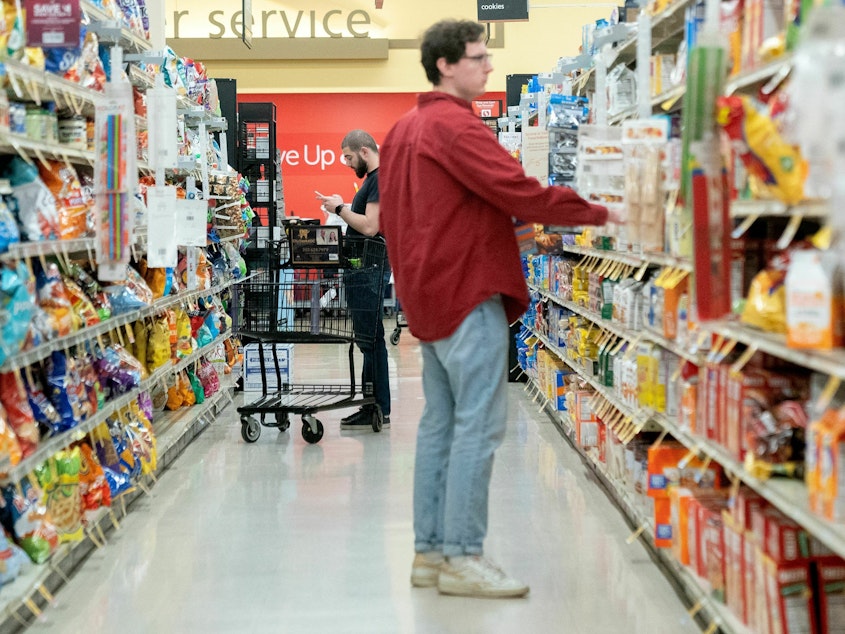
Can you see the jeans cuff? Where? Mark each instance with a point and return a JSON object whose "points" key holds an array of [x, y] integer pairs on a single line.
{"points": [[458, 550]]}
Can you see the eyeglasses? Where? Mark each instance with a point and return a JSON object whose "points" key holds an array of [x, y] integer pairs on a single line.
{"points": [[482, 59]]}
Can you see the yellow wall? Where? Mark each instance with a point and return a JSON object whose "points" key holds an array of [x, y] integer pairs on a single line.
{"points": [[529, 47]]}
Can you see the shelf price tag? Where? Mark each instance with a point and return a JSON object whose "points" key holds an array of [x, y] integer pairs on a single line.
{"points": [[161, 227]]}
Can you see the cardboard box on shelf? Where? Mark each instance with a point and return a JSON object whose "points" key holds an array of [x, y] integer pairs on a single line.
{"points": [[789, 596], [830, 574]]}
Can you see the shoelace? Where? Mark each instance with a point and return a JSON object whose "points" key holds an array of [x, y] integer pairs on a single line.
{"points": [[486, 569]]}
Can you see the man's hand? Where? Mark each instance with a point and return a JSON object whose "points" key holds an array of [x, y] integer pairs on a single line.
{"points": [[615, 217], [329, 202]]}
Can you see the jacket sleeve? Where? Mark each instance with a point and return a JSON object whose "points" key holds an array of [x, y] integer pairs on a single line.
{"points": [[490, 172]]}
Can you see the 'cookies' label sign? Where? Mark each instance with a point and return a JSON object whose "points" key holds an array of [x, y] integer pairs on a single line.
{"points": [[502, 10]]}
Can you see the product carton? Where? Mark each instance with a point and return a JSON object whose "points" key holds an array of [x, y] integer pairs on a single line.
{"points": [[832, 471], [814, 298], [679, 498], [789, 595], [710, 547], [744, 389], [831, 595], [671, 464], [786, 541], [663, 523], [734, 565]]}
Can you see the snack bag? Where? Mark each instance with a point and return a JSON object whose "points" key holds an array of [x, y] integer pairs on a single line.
{"points": [[93, 389], [9, 232], [141, 333], [99, 299], [13, 560], [71, 205], [196, 386], [83, 308], [54, 300], [43, 410], [31, 524], [144, 439], [209, 378], [17, 308], [186, 389], [67, 391], [18, 412], [158, 344], [93, 488], [777, 166], [38, 217], [59, 478], [175, 398], [118, 370], [766, 304], [10, 449], [184, 346]]}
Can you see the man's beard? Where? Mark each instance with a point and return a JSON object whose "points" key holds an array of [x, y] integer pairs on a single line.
{"points": [[361, 170]]}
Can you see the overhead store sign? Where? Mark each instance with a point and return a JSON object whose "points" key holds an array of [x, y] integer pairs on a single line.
{"points": [[332, 23], [502, 10]]}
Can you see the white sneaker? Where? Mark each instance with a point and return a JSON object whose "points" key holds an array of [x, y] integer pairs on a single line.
{"points": [[426, 569], [476, 576]]}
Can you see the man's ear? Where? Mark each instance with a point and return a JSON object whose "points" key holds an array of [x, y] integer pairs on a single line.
{"points": [[444, 67]]}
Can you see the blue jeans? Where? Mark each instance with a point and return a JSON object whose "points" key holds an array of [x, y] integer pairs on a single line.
{"points": [[365, 301], [463, 422]]}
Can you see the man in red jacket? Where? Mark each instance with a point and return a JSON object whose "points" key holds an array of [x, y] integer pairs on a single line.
{"points": [[448, 195]]}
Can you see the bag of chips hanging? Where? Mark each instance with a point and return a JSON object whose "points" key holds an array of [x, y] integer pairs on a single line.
{"points": [[71, 204], [10, 448], [13, 560], [187, 390], [175, 399], [118, 479], [17, 308], [43, 410], [82, 307], [141, 333], [196, 385], [32, 527], [67, 391], [18, 412], [59, 479], [158, 344], [93, 488], [53, 298]]}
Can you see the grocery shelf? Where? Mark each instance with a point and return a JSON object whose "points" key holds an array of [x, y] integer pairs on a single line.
{"points": [[32, 150], [828, 362], [50, 446], [631, 259], [90, 333], [754, 76], [696, 591], [671, 96], [174, 431], [111, 29], [619, 330], [789, 496], [810, 209]]}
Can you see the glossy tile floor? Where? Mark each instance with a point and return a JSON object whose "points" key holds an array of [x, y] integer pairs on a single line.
{"points": [[281, 536]]}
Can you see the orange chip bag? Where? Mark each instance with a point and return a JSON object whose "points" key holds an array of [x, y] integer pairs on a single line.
{"points": [[187, 390], [93, 487], [10, 449], [71, 201]]}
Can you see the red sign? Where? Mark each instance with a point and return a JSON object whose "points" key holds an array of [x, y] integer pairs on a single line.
{"points": [[309, 130], [487, 107], [52, 23]]}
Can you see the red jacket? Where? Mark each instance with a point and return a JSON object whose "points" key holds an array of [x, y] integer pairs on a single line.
{"points": [[448, 191]]}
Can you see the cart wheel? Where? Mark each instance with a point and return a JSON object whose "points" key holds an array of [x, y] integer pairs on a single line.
{"points": [[250, 429], [394, 336], [309, 434], [282, 421], [377, 420]]}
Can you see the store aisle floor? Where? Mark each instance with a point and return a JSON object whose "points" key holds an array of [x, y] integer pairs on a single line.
{"points": [[285, 537]]}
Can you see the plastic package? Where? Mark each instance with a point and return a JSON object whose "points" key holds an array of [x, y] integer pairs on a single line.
{"points": [[54, 300], [30, 523], [38, 217], [18, 412], [10, 449], [119, 371], [59, 479], [67, 390], [93, 489], [17, 309], [765, 307], [72, 206]]}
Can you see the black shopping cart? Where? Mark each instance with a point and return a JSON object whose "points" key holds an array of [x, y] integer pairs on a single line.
{"points": [[400, 324], [328, 291]]}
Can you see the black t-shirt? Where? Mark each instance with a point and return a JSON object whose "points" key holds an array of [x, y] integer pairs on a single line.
{"points": [[367, 194]]}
